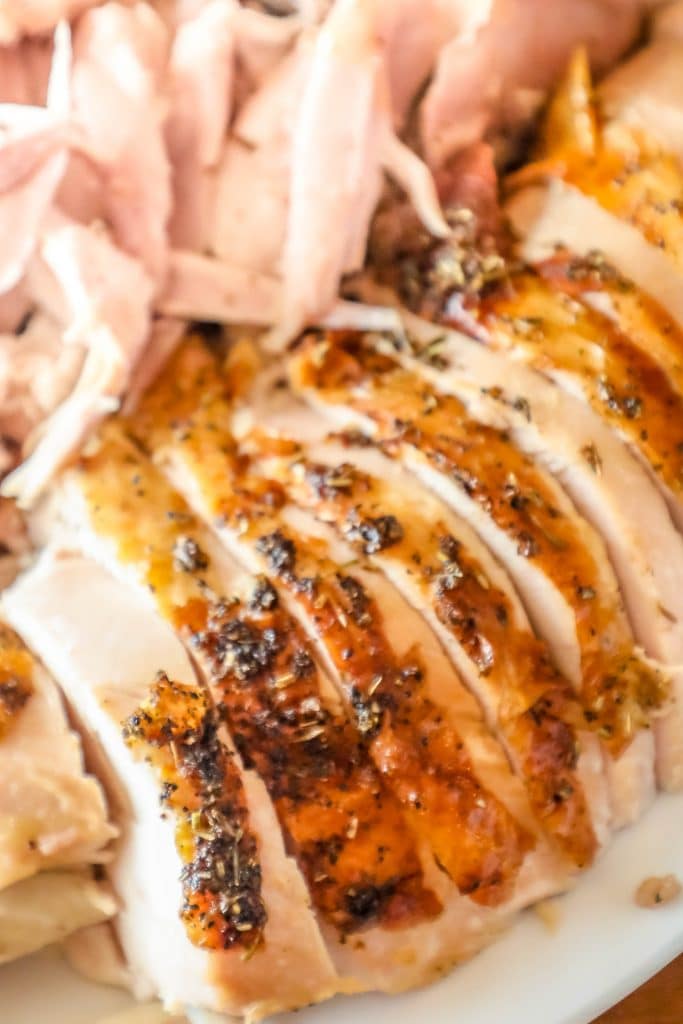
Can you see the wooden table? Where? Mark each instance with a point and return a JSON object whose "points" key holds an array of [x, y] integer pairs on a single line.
{"points": [[660, 1001]]}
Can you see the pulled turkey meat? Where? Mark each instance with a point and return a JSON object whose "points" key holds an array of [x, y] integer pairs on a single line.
{"points": [[207, 140]]}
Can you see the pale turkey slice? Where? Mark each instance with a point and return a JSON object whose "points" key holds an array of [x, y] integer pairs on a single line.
{"points": [[49, 907], [52, 815], [558, 215], [106, 647]]}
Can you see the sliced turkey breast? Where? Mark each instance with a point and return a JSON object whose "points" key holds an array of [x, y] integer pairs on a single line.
{"points": [[518, 510], [565, 791], [603, 187], [53, 814], [494, 83], [646, 92], [604, 480], [187, 433], [201, 69], [243, 637], [465, 595], [53, 821], [637, 318], [122, 511], [585, 353], [108, 296], [49, 907], [208, 871], [369, 480], [560, 215]]}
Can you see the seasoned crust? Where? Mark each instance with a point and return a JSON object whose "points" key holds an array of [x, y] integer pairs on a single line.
{"points": [[176, 730]]}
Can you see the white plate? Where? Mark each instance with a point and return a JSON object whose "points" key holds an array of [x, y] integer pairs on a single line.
{"points": [[603, 947]]}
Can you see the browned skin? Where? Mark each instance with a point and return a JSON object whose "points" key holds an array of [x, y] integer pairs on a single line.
{"points": [[622, 168], [348, 832], [622, 382], [176, 730], [640, 318], [418, 753], [643, 187], [416, 749], [345, 828], [619, 691], [537, 714], [16, 678]]}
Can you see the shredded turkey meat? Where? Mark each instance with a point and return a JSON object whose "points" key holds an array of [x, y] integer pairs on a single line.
{"points": [[210, 141]]}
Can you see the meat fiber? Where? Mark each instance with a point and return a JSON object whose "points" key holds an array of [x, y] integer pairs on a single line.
{"points": [[201, 69], [35, 17], [108, 295], [497, 81]]}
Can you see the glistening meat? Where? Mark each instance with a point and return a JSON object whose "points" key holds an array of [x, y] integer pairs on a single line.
{"points": [[341, 446]]}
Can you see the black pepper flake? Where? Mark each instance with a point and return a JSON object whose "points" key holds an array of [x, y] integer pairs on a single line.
{"points": [[188, 556], [233, 646], [328, 481], [264, 596], [521, 404], [629, 406], [374, 532], [280, 552], [449, 577], [354, 438], [307, 585], [302, 664], [563, 792], [368, 712], [501, 614], [365, 902], [449, 547], [167, 790], [632, 407], [358, 600], [14, 694], [411, 673], [468, 481]]}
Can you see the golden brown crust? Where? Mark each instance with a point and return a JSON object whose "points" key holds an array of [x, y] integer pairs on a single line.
{"points": [[345, 828], [416, 750], [617, 163], [622, 382], [619, 691], [347, 831], [176, 730], [538, 714], [414, 746]]}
